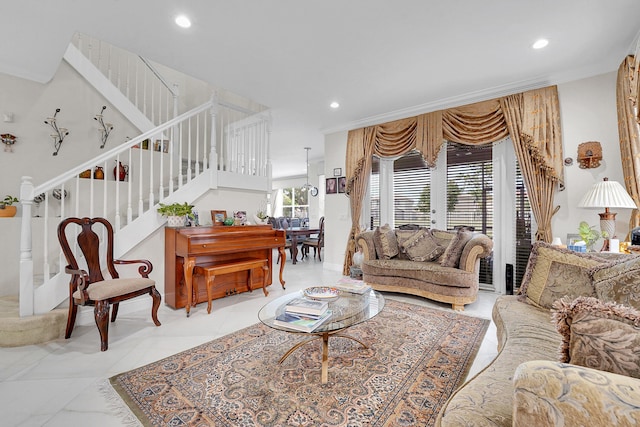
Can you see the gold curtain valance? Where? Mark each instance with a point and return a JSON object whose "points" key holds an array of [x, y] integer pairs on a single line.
{"points": [[480, 123]]}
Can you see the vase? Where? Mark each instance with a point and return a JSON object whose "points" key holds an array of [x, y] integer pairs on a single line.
{"points": [[259, 221], [175, 221], [120, 171], [357, 259], [98, 173], [8, 212]]}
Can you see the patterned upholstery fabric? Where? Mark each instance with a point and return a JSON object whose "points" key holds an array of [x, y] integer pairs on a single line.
{"points": [[524, 333], [556, 394], [618, 282], [421, 246], [553, 273], [385, 241], [451, 256], [599, 335], [436, 273]]}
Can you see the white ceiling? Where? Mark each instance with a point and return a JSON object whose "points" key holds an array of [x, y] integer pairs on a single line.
{"points": [[379, 59]]}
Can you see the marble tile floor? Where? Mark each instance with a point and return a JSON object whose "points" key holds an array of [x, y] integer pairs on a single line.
{"points": [[58, 383]]}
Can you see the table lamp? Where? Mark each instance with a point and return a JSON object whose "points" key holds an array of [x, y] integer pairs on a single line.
{"points": [[607, 194]]}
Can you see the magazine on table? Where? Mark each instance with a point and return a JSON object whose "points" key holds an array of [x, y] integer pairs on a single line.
{"points": [[306, 306], [300, 322], [352, 285]]}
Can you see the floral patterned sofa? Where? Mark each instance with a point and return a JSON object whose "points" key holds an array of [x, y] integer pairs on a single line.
{"points": [[439, 265], [569, 347]]}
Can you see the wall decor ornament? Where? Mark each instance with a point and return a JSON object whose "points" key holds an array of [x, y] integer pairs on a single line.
{"points": [[105, 128], [60, 133], [8, 140], [589, 154]]}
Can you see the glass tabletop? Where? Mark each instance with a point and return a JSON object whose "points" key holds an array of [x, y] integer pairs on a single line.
{"points": [[347, 310]]}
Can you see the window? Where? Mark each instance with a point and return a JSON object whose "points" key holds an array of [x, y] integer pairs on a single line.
{"points": [[470, 187], [295, 203], [411, 190]]}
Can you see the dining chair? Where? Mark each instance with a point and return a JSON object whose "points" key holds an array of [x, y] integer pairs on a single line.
{"points": [[317, 243], [91, 288]]}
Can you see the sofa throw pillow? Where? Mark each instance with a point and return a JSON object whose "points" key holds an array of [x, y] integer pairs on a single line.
{"points": [[384, 239], [421, 246], [402, 236], [553, 272], [451, 256], [599, 335], [618, 282], [443, 237]]}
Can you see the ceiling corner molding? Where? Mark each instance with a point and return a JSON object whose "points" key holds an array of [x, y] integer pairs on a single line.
{"points": [[472, 97]]}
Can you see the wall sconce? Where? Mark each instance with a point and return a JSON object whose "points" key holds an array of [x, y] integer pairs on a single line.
{"points": [[106, 128], [60, 133], [589, 154], [8, 140]]}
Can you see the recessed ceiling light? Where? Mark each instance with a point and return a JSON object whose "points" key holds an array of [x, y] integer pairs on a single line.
{"points": [[540, 44], [334, 105], [183, 21]]}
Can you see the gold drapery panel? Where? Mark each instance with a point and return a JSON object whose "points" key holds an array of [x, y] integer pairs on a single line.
{"points": [[535, 125], [358, 169], [628, 133], [540, 186]]}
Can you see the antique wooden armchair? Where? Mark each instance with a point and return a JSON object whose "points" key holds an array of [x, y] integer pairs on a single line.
{"points": [[91, 288]]}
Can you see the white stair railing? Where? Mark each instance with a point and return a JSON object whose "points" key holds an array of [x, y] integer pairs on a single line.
{"points": [[154, 169], [155, 162], [135, 77]]}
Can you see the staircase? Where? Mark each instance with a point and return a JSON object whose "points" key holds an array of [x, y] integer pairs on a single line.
{"points": [[216, 144]]}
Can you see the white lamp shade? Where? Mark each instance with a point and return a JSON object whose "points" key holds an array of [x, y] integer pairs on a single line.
{"points": [[607, 194]]}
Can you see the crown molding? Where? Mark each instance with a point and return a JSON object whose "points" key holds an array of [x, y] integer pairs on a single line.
{"points": [[473, 97]]}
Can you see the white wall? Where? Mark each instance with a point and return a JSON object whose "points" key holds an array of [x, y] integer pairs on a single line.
{"points": [[31, 103], [337, 215], [588, 112]]}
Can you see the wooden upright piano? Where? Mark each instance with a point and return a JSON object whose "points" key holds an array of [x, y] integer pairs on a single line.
{"points": [[186, 247]]}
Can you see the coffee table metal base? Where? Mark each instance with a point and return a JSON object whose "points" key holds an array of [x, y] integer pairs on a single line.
{"points": [[325, 349]]}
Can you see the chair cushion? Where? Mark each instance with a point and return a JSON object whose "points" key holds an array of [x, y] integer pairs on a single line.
{"points": [[106, 289], [599, 335], [553, 272]]}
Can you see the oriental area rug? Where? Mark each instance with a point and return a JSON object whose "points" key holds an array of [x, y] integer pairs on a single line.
{"points": [[417, 357]]}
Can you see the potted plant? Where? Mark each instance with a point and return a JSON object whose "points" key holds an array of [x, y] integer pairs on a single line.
{"points": [[588, 234], [261, 217], [176, 213], [6, 206]]}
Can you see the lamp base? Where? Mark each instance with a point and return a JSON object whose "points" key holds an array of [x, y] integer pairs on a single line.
{"points": [[607, 227]]}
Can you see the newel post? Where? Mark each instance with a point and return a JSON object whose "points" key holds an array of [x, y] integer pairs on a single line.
{"points": [[26, 258]]}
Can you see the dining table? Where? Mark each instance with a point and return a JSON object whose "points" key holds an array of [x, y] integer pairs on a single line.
{"points": [[294, 233]]}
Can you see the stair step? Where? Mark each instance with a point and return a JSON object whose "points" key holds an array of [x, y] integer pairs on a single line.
{"points": [[18, 331]]}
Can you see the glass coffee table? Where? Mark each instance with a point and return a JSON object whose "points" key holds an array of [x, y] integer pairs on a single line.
{"points": [[348, 309]]}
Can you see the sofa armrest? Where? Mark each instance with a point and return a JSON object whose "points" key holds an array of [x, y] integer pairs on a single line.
{"points": [[480, 246], [364, 241], [559, 394]]}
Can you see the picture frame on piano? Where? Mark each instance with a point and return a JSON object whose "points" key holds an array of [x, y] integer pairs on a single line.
{"points": [[218, 217]]}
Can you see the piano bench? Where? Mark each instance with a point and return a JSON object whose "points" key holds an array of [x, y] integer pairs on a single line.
{"points": [[209, 271]]}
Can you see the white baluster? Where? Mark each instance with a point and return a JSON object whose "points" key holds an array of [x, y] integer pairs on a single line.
{"points": [[26, 255], [129, 186], [197, 157], [117, 203], [189, 142]]}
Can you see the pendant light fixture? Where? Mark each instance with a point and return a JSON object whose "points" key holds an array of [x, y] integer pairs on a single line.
{"points": [[312, 190]]}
